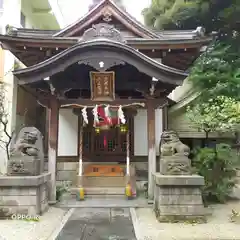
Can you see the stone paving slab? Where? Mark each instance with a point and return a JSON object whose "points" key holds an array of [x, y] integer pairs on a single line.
{"points": [[98, 224]]}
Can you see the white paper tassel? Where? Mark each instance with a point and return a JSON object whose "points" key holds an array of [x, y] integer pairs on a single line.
{"points": [[84, 115], [107, 113], [95, 114], [121, 115]]}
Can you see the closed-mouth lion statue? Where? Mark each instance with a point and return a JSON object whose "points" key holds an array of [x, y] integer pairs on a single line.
{"points": [[170, 145]]}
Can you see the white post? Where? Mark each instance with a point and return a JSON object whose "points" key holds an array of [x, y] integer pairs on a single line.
{"points": [[80, 167], [128, 158]]}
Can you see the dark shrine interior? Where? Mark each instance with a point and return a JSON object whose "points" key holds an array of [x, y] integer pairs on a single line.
{"points": [[75, 82]]}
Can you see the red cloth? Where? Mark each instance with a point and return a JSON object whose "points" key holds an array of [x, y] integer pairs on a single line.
{"points": [[103, 120]]}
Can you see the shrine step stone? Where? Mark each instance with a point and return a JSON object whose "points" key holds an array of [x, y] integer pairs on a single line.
{"points": [[101, 191]]}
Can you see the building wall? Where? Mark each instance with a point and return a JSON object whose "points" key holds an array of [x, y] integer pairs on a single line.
{"points": [[67, 133], [30, 19], [141, 137]]}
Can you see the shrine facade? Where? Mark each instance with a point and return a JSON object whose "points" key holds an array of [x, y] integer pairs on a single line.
{"points": [[104, 82]]}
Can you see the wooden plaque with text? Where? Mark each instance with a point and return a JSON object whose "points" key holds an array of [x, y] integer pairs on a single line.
{"points": [[102, 86]]}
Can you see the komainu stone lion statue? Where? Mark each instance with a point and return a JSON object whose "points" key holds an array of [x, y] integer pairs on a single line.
{"points": [[26, 153], [173, 155], [25, 145], [170, 145]]}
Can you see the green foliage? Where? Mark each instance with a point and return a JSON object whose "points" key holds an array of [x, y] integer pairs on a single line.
{"points": [[214, 15], [220, 114], [218, 70], [60, 190], [218, 167]]}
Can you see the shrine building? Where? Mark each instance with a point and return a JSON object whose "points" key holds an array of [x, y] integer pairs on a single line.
{"points": [[103, 83]]}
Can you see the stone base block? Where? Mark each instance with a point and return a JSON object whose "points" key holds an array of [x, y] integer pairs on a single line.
{"points": [[178, 198], [24, 166], [179, 165], [24, 194]]}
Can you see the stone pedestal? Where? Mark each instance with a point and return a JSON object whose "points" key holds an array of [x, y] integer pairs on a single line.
{"points": [[24, 166], [24, 194], [175, 165], [178, 198]]}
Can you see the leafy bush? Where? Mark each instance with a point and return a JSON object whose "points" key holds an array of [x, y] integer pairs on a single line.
{"points": [[218, 167], [60, 190]]}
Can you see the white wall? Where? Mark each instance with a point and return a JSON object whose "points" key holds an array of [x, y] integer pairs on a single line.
{"points": [[158, 128], [140, 132], [67, 133]]}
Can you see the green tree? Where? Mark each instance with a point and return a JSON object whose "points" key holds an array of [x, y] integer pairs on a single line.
{"points": [[218, 71], [218, 167], [220, 15], [221, 114]]}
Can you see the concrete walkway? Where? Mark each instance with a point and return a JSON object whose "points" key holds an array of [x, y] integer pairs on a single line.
{"points": [[218, 226], [98, 224]]}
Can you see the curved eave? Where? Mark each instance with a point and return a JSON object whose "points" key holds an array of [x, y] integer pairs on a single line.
{"points": [[95, 48], [41, 41], [69, 41]]}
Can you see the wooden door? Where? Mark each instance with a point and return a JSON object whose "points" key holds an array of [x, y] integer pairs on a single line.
{"points": [[107, 145]]}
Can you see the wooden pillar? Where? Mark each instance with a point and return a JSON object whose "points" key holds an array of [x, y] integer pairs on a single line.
{"points": [[165, 117], [151, 147], [53, 112]]}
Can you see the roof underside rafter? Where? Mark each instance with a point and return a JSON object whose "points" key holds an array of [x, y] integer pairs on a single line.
{"points": [[95, 51]]}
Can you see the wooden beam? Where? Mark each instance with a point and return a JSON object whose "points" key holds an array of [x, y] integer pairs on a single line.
{"points": [[52, 145], [151, 147]]}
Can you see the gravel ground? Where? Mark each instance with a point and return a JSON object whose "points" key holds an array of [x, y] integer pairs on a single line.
{"points": [[218, 227], [23, 230]]}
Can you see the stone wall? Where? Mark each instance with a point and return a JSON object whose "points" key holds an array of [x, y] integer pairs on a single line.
{"points": [[24, 195]]}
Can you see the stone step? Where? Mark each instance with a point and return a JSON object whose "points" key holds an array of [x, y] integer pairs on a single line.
{"points": [[101, 191], [119, 181]]}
